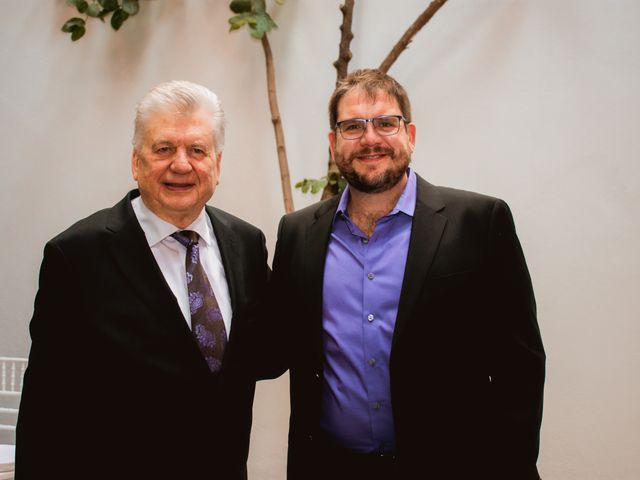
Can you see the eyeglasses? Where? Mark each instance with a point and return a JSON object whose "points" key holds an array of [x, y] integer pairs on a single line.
{"points": [[354, 128]]}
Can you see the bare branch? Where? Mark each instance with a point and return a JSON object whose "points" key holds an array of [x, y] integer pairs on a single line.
{"points": [[341, 64], [404, 41], [277, 127], [344, 54]]}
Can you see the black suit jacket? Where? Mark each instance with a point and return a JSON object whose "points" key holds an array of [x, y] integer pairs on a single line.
{"points": [[467, 361], [116, 386]]}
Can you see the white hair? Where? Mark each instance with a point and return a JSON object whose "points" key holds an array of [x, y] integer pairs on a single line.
{"points": [[185, 97]]}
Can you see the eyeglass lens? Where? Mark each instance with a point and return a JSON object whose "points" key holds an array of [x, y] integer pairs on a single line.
{"points": [[355, 128]]}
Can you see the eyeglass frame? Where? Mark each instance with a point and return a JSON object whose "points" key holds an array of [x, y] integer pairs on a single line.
{"points": [[370, 120]]}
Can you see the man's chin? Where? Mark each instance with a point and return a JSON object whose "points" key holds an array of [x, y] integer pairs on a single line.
{"points": [[372, 183]]}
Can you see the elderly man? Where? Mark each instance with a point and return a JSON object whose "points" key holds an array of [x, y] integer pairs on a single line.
{"points": [[408, 315], [139, 359]]}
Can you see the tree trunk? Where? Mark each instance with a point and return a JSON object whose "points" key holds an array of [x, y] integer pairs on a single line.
{"points": [[277, 127], [341, 64]]}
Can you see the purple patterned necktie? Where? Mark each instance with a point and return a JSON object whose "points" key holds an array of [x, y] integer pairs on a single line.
{"points": [[206, 319]]}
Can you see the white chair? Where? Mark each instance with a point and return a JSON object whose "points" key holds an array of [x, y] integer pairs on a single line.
{"points": [[7, 456], [11, 374]]}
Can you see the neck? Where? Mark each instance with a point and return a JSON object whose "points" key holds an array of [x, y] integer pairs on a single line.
{"points": [[365, 209]]}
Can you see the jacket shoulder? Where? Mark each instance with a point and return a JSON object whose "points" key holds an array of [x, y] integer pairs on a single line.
{"points": [[98, 225], [458, 196], [235, 223], [84, 230], [313, 211]]}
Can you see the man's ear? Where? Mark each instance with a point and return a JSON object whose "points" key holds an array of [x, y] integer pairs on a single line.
{"points": [[134, 164], [332, 143], [411, 130], [217, 166]]}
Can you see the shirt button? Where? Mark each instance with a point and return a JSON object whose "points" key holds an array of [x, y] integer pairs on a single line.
{"points": [[376, 405], [370, 317], [372, 361], [365, 240], [370, 276]]}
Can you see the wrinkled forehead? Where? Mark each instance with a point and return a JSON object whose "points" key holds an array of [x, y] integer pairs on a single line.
{"points": [[170, 121], [360, 99]]}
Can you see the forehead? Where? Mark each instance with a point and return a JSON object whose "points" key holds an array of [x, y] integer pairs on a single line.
{"points": [[359, 103], [171, 125]]}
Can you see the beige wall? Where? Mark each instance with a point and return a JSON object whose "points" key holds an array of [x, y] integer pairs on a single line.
{"points": [[535, 101]]}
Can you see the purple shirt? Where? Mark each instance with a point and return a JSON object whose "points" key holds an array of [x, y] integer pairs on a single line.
{"points": [[362, 283]]}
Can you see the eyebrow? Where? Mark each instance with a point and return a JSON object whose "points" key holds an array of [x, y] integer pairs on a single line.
{"points": [[161, 143]]}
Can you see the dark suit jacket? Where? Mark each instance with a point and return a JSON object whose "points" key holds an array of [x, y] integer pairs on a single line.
{"points": [[116, 386], [467, 361]]}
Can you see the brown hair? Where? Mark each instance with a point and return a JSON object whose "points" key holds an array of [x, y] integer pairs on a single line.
{"points": [[371, 81]]}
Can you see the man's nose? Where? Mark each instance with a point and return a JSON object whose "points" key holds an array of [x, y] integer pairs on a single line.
{"points": [[181, 162], [370, 134]]}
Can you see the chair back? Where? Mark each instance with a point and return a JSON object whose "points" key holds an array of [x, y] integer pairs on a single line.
{"points": [[11, 374]]}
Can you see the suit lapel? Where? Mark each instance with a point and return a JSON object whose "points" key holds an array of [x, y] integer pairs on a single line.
{"points": [[316, 244], [227, 243], [232, 262], [426, 232], [132, 255]]}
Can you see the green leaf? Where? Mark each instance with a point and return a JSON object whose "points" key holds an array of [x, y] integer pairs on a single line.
{"points": [[318, 185], [272, 24], [77, 33], [240, 6], [268, 22], [131, 6], [263, 24], [303, 185], [73, 23], [280, 2], [238, 21], [94, 10], [312, 185], [81, 5], [258, 6], [109, 5], [118, 18]]}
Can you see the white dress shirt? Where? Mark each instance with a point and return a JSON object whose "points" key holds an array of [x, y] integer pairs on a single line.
{"points": [[170, 255]]}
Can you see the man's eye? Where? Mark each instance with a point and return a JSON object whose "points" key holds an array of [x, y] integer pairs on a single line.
{"points": [[350, 127], [199, 151], [163, 150]]}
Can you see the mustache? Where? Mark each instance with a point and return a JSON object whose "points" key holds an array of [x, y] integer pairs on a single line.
{"points": [[369, 150]]}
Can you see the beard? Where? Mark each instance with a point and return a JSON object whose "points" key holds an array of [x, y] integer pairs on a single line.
{"points": [[378, 183]]}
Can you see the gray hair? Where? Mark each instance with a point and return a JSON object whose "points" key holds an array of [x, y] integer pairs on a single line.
{"points": [[185, 97]]}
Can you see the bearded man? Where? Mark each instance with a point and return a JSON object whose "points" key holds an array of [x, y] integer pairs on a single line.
{"points": [[408, 320]]}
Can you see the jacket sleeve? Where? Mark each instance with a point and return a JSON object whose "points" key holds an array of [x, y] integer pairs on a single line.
{"points": [[43, 433], [270, 336], [517, 359]]}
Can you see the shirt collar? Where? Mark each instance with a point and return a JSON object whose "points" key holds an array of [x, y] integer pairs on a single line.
{"points": [[405, 204], [156, 229]]}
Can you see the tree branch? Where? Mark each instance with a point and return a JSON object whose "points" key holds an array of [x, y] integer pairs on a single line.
{"points": [[404, 41], [344, 54], [277, 127], [341, 64]]}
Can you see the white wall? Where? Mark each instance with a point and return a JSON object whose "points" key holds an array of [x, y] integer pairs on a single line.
{"points": [[535, 101]]}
